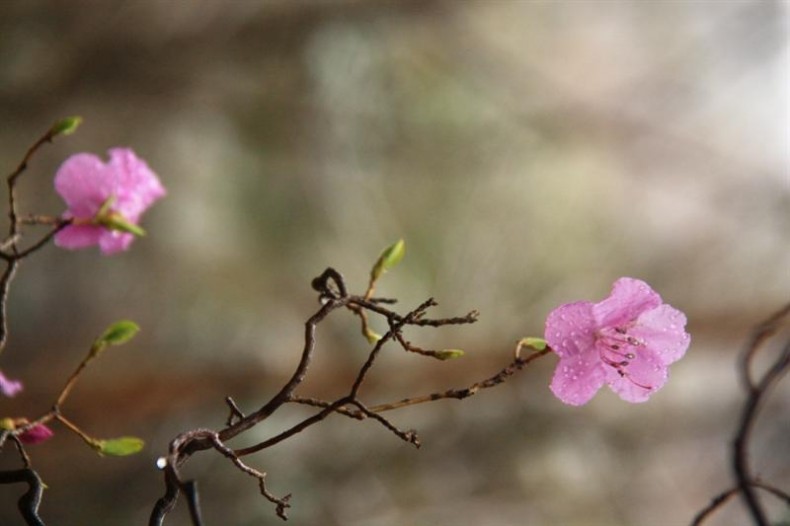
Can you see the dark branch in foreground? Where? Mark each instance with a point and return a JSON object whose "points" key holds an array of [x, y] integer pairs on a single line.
{"points": [[29, 502], [757, 392]]}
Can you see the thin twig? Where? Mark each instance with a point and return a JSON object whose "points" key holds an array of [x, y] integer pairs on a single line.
{"points": [[10, 252], [725, 496], [757, 391], [333, 295], [740, 457]]}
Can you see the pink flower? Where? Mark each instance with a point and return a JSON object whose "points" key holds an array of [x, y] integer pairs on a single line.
{"points": [[9, 387], [627, 341], [36, 434], [102, 196]]}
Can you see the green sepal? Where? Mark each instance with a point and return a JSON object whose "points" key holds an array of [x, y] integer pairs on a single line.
{"points": [[66, 126], [119, 447], [388, 259], [115, 221]]}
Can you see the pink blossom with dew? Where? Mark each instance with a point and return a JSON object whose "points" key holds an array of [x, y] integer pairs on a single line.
{"points": [[626, 341], [36, 434], [9, 387], [122, 188]]}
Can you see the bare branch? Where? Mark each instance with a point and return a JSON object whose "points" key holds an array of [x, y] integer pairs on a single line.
{"points": [[757, 391]]}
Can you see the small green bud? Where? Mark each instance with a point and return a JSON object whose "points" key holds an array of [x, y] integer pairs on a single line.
{"points": [[448, 354], [116, 334], [7, 423], [119, 447], [388, 259], [371, 336], [66, 126], [537, 344]]}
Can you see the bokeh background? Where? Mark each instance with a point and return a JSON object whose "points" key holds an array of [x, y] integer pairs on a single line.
{"points": [[529, 153]]}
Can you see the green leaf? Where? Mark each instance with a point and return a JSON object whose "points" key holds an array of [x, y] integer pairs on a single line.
{"points": [[448, 354], [119, 447], [116, 334], [119, 332], [537, 344], [66, 126], [388, 259]]}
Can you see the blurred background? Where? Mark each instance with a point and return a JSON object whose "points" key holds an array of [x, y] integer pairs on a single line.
{"points": [[529, 152]]}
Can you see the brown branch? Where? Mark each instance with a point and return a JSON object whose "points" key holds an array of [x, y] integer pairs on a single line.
{"points": [[11, 183], [298, 376], [10, 251], [725, 496], [298, 428], [466, 392], [740, 457], [235, 413], [757, 392], [333, 295]]}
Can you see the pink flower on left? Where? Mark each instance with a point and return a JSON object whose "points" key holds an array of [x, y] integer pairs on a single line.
{"points": [[87, 184], [9, 387]]}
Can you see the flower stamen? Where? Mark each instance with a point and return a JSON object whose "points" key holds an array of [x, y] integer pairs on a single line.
{"points": [[612, 341]]}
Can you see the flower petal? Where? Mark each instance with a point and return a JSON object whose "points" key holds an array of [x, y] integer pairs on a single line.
{"points": [[9, 387], [82, 180], [137, 185], [578, 378], [663, 330], [645, 375], [629, 298], [570, 329], [78, 236], [112, 242]]}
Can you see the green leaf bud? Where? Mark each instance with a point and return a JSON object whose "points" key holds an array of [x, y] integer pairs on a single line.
{"points": [[537, 344], [119, 447], [66, 126], [448, 354], [388, 259], [116, 334]]}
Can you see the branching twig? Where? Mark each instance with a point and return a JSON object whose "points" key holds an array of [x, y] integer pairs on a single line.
{"points": [[333, 295], [725, 496], [9, 249], [757, 391]]}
